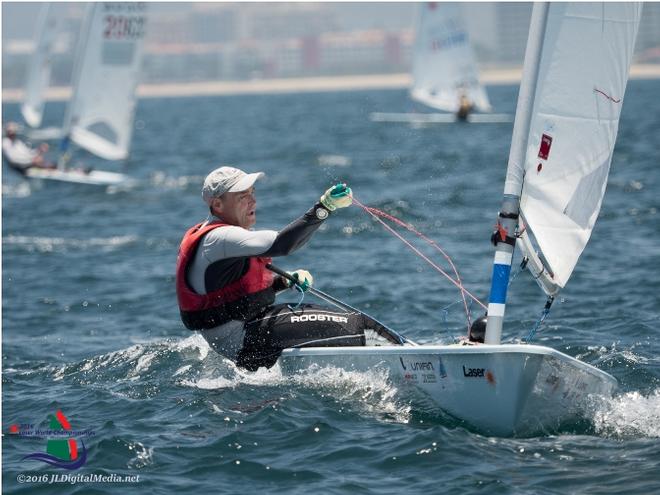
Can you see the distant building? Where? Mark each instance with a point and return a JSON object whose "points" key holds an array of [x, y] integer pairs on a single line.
{"points": [[649, 27], [243, 40], [273, 21]]}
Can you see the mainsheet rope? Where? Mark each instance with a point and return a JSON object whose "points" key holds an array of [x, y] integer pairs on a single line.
{"points": [[377, 214]]}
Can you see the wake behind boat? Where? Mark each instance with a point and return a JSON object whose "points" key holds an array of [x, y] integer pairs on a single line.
{"points": [[563, 138]]}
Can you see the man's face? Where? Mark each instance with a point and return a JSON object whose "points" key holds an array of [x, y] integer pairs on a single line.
{"points": [[237, 208]]}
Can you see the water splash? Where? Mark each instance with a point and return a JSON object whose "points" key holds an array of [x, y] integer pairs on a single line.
{"points": [[17, 190], [630, 415], [135, 363], [144, 456], [368, 392]]}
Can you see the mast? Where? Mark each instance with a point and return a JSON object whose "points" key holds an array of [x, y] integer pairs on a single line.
{"points": [[510, 209]]}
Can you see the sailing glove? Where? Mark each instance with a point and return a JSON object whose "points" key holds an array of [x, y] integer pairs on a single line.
{"points": [[304, 278], [339, 196]]}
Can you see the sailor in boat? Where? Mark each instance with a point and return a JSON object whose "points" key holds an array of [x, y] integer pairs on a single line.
{"points": [[19, 155], [465, 106], [225, 290], [477, 332]]}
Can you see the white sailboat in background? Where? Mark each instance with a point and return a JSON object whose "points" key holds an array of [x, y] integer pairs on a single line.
{"points": [[38, 78], [99, 116], [574, 79], [444, 67], [445, 74]]}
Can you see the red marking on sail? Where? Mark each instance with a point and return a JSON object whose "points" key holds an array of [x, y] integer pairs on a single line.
{"points": [[73, 449], [62, 419], [544, 149], [607, 96], [13, 429]]}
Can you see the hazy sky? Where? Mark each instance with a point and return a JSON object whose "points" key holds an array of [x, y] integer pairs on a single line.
{"points": [[18, 18]]}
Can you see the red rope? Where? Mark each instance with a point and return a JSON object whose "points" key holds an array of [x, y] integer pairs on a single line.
{"points": [[375, 213]]}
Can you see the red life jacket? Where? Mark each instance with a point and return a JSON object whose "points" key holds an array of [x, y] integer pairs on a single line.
{"points": [[242, 299]]}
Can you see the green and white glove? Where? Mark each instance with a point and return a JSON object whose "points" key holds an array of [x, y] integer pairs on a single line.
{"points": [[305, 279], [339, 196]]}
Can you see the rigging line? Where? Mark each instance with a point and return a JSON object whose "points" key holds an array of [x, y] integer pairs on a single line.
{"points": [[372, 212], [375, 211], [302, 297], [539, 322]]}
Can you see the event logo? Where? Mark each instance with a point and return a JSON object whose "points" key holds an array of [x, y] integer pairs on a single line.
{"points": [[62, 448]]}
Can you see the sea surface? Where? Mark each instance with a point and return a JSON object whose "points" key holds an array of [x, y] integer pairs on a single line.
{"points": [[90, 325]]}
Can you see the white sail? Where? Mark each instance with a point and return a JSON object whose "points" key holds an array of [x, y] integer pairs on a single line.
{"points": [[580, 88], [100, 114], [38, 77], [444, 66]]}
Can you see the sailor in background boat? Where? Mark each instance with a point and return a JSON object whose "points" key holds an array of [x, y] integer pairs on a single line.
{"points": [[225, 290], [19, 155], [465, 106]]}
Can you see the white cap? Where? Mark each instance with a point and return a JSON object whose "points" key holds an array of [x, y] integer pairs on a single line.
{"points": [[227, 179]]}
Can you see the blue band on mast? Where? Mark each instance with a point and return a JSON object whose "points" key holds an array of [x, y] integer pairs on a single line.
{"points": [[499, 284]]}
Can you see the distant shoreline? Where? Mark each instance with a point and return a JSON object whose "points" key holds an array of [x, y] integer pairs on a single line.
{"points": [[302, 85]]}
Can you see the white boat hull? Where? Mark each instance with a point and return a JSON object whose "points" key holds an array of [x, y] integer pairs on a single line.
{"points": [[439, 118], [498, 389], [93, 177]]}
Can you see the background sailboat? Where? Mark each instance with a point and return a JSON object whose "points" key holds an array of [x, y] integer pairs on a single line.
{"points": [[444, 69], [99, 116], [576, 69], [444, 66], [38, 77]]}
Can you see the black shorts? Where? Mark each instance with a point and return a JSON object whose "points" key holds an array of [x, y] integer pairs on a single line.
{"points": [[308, 325]]}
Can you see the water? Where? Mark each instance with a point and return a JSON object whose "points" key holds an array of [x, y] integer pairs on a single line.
{"points": [[91, 325]]}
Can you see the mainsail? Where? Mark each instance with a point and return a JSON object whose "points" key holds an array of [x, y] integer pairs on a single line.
{"points": [[100, 114], [38, 77], [575, 73], [574, 123], [444, 66]]}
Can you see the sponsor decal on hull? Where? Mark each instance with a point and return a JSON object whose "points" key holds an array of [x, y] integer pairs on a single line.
{"points": [[479, 373], [315, 317], [416, 369]]}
